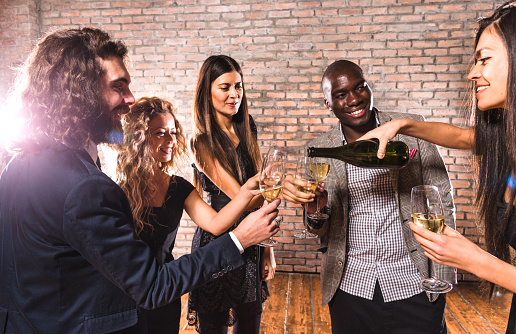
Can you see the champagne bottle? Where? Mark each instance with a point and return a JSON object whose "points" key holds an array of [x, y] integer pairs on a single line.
{"points": [[362, 153]]}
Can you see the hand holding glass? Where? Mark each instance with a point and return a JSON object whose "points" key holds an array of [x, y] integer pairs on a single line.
{"points": [[319, 170], [427, 212], [303, 173], [271, 181]]}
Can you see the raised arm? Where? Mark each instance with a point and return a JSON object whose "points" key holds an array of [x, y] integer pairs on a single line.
{"points": [[441, 134], [223, 180], [102, 233], [217, 223]]}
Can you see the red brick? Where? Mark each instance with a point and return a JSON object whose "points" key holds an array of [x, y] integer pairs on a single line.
{"points": [[416, 56]]}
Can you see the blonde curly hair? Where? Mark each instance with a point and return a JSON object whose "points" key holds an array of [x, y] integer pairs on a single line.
{"points": [[136, 164]]}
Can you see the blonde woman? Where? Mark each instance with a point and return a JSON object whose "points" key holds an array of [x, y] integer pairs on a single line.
{"points": [[153, 143]]}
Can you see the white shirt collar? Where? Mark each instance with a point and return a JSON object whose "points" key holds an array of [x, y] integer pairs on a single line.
{"points": [[91, 148], [344, 141]]}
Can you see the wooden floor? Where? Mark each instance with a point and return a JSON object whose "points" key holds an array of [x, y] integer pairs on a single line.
{"points": [[295, 307]]}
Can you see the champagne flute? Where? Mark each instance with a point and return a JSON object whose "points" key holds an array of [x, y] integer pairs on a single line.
{"points": [[271, 181], [427, 212], [303, 173], [319, 169]]}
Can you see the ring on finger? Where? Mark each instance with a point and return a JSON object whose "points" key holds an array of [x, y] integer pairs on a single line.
{"points": [[277, 222]]}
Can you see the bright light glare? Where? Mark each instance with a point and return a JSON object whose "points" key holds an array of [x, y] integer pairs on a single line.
{"points": [[10, 122]]}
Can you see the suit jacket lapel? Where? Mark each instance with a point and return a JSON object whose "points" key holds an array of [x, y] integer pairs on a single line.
{"points": [[338, 172]]}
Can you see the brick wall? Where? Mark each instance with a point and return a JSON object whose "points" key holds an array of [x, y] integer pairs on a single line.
{"points": [[19, 27], [415, 54]]}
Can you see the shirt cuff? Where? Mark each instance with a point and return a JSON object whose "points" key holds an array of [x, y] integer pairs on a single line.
{"points": [[237, 243]]}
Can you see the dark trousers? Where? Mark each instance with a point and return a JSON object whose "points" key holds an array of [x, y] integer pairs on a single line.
{"points": [[248, 317], [351, 314]]}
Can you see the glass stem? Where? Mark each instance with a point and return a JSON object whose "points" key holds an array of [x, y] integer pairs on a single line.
{"points": [[431, 268], [305, 218]]}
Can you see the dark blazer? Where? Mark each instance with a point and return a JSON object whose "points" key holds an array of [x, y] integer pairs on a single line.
{"points": [[70, 261]]}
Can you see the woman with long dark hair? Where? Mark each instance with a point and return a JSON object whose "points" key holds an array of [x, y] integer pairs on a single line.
{"points": [[493, 141], [226, 154]]}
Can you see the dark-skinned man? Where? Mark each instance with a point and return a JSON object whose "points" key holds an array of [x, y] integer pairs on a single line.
{"points": [[372, 265]]}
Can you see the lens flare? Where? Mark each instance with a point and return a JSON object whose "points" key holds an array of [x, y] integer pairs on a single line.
{"points": [[10, 122], [115, 137], [511, 181]]}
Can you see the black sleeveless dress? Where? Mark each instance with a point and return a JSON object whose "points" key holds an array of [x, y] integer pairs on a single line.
{"points": [[239, 286], [510, 238], [161, 238]]}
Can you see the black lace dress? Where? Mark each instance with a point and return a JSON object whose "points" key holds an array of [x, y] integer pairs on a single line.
{"points": [[510, 237], [161, 238], [237, 287]]}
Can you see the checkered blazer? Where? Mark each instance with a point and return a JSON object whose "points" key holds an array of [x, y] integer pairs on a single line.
{"points": [[426, 167]]}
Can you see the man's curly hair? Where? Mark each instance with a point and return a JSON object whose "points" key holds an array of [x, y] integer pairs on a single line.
{"points": [[59, 87]]}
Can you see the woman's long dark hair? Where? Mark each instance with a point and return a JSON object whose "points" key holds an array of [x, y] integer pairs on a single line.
{"points": [[495, 139], [209, 139]]}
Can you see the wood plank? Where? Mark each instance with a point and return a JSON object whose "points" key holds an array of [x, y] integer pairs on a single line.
{"points": [[452, 324], [275, 307], [495, 316], [295, 307], [470, 320], [299, 319], [321, 314]]}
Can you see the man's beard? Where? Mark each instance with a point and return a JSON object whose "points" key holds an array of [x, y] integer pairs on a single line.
{"points": [[107, 128]]}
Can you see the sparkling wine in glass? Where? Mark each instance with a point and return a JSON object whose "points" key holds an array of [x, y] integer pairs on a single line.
{"points": [[427, 212], [272, 175], [303, 173], [319, 170]]}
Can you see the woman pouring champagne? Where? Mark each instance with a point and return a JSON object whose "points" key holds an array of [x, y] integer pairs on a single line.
{"points": [[493, 141]]}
